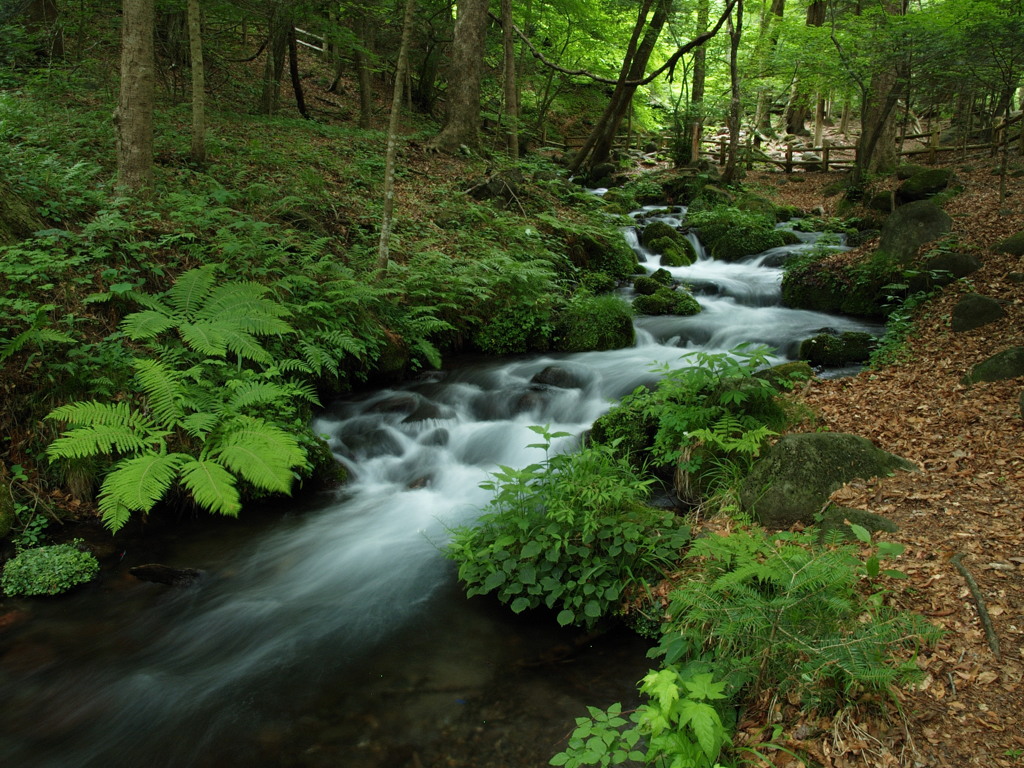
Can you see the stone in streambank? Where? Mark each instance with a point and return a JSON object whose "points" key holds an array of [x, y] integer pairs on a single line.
{"points": [[1008, 364], [793, 479]]}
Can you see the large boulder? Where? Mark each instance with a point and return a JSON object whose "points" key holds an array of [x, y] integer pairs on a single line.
{"points": [[909, 227], [923, 185], [657, 230], [1008, 364], [974, 311], [793, 479]]}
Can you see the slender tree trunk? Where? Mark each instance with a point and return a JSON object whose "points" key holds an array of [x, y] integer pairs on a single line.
{"points": [[195, 41], [462, 123], [383, 246], [735, 33], [511, 88], [274, 66], [599, 144], [695, 124], [134, 116], [293, 71], [362, 62]]}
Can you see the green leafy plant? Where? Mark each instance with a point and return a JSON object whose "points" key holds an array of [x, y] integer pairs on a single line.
{"points": [[571, 533], [680, 725], [710, 410], [196, 424], [48, 570], [781, 612]]}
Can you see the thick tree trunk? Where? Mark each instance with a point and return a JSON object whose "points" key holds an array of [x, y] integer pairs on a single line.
{"points": [[384, 244], [42, 17], [462, 123], [134, 116], [293, 72], [195, 39]]}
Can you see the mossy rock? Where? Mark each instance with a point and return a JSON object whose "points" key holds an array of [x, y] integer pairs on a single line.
{"points": [[942, 269], [598, 282], [594, 323], [835, 523], [909, 227], [1014, 245], [787, 213], [783, 376], [1008, 364], [17, 220], [667, 302], [883, 201], [974, 311], [632, 427], [833, 350], [646, 286], [923, 185], [737, 243], [596, 251], [325, 470], [757, 204], [909, 170], [658, 230], [674, 253], [662, 276], [793, 479]]}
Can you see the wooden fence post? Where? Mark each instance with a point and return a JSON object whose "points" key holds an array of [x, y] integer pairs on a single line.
{"points": [[826, 145], [933, 145], [789, 158], [721, 151]]}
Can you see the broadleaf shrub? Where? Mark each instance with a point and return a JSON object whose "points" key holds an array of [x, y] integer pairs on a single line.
{"points": [[571, 533], [48, 570]]}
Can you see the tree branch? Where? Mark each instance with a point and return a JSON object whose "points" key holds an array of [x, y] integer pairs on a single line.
{"points": [[670, 63]]}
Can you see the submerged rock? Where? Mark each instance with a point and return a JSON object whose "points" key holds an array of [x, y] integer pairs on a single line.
{"points": [[165, 574]]}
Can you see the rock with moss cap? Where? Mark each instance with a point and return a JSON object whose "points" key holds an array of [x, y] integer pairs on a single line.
{"points": [[793, 479], [1014, 245], [674, 253], [1008, 364]]}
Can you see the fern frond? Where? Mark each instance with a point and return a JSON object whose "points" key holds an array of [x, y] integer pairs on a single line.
{"points": [[93, 413], [190, 290], [162, 386], [245, 346], [250, 393], [137, 484], [204, 337], [263, 454], [35, 336], [212, 486], [147, 324], [246, 307], [96, 440], [200, 424]]}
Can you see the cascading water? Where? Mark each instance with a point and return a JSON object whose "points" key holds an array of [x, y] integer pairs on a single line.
{"points": [[338, 636]]}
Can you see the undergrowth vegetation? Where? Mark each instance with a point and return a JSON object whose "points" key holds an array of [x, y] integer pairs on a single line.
{"points": [[100, 330], [801, 615]]}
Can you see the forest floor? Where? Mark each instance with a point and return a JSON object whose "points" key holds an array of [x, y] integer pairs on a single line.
{"points": [[968, 499]]}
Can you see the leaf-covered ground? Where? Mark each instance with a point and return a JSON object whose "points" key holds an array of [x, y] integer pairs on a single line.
{"points": [[968, 500]]}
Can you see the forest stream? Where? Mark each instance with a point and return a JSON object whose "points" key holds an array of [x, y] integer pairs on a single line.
{"points": [[337, 635]]}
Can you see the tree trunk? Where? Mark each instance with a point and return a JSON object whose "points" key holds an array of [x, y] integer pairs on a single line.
{"points": [[134, 116], [598, 146], [195, 39], [511, 89], [735, 33], [463, 119], [42, 17], [384, 244], [273, 69], [293, 71], [695, 123]]}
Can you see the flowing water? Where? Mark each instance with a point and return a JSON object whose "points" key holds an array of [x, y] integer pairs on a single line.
{"points": [[336, 635]]}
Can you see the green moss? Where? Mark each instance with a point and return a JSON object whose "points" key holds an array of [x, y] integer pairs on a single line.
{"points": [[667, 302], [674, 253], [663, 276], [593, 323], [657, 230], [646, 286]]}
